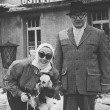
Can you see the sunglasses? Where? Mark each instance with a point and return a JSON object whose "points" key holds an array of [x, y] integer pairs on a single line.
{"points": [[80, 16], [48, 56]]}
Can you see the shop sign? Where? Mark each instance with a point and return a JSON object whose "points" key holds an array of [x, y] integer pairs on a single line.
{"points": [[34, 1]]}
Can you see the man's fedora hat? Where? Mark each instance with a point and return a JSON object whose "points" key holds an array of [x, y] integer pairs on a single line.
{"points": [[77, 7]]}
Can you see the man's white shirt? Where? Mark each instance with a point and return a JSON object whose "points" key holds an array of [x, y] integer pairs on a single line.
{"points": [[78, 33]]}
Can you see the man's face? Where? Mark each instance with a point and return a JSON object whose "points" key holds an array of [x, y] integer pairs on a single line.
{"points": [[78, 19]]}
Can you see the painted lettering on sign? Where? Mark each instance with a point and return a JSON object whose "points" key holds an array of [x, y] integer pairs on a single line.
{"points": [[37, 1]]}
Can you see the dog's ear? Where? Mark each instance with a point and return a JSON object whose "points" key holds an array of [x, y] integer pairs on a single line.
{"points": [[42, 98], [46, 92], [57, 95], [39, 80], [42, 95], [50, 93], [50, 84]]}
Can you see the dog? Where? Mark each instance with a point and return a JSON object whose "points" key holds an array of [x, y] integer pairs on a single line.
{"points": [[45, 98]]}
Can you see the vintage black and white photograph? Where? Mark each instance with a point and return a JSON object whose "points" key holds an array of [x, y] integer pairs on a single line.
{"points": [[54, 54]]}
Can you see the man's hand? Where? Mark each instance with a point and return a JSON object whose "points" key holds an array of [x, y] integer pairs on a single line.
{"points": [[105, 88]]}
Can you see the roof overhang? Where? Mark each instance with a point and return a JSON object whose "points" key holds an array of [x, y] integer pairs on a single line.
{"points": [[54, 5], [3, 9]]}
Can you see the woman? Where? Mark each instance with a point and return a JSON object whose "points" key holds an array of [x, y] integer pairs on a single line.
{"points": [[23, 75]]}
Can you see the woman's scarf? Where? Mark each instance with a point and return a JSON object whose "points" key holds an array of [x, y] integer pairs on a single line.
{"points": [[43, 67]]}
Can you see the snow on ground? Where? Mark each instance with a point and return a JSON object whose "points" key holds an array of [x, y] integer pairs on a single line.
{"points": [[3, 101], [101, 103]]}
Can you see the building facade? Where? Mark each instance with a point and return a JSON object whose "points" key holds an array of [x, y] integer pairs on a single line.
{"points": [[32, 22]]}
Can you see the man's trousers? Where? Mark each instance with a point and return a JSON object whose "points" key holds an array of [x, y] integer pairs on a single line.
{"points": [[84, 102]]}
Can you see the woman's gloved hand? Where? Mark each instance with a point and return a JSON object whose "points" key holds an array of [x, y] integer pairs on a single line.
{"points": [[24, 97]]}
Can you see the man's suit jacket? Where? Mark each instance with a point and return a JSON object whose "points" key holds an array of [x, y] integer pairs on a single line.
{"points": [[85, 67]]}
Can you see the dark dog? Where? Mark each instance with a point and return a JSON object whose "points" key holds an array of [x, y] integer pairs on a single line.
{"points": [[46, 92], [46, 98]]}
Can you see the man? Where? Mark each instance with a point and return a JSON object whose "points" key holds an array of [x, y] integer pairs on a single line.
{"points": [[82, 58]]}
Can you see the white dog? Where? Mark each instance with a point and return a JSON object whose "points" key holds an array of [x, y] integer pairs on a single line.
{"points": [[45, 81]]}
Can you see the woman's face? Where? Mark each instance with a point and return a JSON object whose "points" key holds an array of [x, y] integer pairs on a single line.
{"points": [[45, 54]]}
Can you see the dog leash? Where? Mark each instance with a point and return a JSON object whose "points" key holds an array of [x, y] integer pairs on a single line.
{"points": [[27, 108], [34, 107]]}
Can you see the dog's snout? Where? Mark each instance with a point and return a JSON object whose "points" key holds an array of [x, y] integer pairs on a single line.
{"points": [[43, 82], [54, 103]]}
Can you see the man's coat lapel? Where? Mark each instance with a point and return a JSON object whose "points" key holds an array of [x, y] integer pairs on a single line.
{"points": [[85, 35]]}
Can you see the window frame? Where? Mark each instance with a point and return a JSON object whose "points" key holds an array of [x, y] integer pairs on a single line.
{"points": [[35, 29], [102, 21]]}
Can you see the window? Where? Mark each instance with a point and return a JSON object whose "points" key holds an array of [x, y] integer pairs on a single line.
{"points": [[100, 19], [33, 34]]}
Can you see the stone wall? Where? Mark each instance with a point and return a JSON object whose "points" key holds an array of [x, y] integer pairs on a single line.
{"points": [[11, 30], [51, 23], [14, 2]]}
